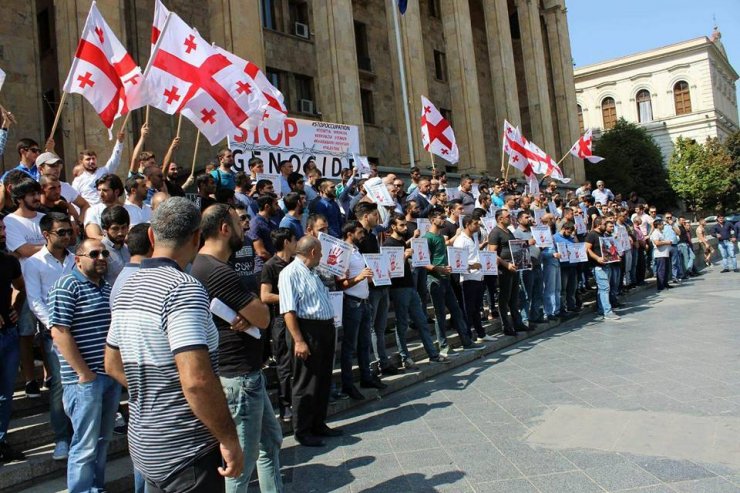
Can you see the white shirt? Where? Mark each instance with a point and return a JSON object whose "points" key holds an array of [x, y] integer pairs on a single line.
{"points": [[85, 183], [20, 231], [136, 214], [93, 214], [602, 197], [662, 251], [117, 260], [464, 241], [356, 265], [40, 272]]}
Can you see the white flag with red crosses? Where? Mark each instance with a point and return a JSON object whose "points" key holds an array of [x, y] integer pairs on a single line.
{"points": [[582, 148], [437, 134], [104, 73]]}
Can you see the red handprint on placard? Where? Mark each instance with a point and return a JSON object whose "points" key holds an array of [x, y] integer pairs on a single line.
{"points": [[393, 263], [458, 262], [334, 255]]}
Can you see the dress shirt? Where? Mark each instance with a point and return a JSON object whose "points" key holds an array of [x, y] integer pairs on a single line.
{"points": [[40, 272], [118, 258], [136, 214], [464, 241], [303, 292], [360, 290], [85, 183], [602, 197]]}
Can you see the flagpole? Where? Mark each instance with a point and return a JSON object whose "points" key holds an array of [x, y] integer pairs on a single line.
{"points": [[58, 115], [125, 121], [179, 123], [404, 94], [195, 153], [146, 116], [431, 156]]}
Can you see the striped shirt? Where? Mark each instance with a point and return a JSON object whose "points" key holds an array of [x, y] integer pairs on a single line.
{"points": [[160, 312], [82, 306], [303, 292]]}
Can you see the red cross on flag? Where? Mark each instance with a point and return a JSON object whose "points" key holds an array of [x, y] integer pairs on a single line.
{"points": [[582, 148], [188, 75], [104, 73], [276, 111], [514, 147], [543, 163], [437, 134]]}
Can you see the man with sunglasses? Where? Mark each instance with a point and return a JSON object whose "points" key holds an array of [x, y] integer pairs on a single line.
{"points": [[28, 151], [40, 272], [80, 314]]}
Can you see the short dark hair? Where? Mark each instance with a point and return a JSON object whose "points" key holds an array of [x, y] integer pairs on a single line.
{"points": [[261, 184], [363, 208], [264, 200], [280, 236], [253, 160], [350, 227], [291, 200], [23, 188], [115, 214], [499, 213], [112, 180], [468, 219], [203, 179], [311, 221], [222, 152], [137, 240], [47, 222], [241, 179], [521, 213], [436, 212], [13, 177], [294, 178], [131, 182], [408, 205], [568, 225], [479, 213], [415, 169], [212, 219], [24, 144]]}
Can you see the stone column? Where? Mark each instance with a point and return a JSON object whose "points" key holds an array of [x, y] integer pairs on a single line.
{"points": [[236, 26], [412, 45], [556, 24], [338, 81], [463, 83], [535, 74]]}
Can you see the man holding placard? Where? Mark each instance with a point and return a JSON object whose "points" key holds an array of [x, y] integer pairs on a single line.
{"points": [[531, 280], [568, 271], [600, 268]]}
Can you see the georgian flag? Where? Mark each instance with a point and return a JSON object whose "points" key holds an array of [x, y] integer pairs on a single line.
{"points": [[582, 148], [104, 73], [437, 134], [544, 164], [2, 78]]}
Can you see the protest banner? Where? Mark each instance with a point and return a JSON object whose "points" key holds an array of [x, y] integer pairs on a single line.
{"points": [[396, 258], [275, 179], [489, 223], [335, 254], [423, 226], [563, 251], [488, 263], [332, 145], [337, 305], [580, 225], [420, 252], [609, 250], [362, 165], [577, 253], [379, 263], [521, 255], [542, 236], [457, 259], [378, 192]]}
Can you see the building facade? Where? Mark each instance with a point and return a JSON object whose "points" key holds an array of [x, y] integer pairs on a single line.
{"points": [[479, 61], [682, 90]]}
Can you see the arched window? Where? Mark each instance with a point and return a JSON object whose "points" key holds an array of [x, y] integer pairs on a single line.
{"points": [[580, 119], [609, 113], [681, 97], [644, 107]]}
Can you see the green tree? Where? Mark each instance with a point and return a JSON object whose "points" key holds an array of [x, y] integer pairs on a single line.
{"points": [[702, 175], [633, 162]]}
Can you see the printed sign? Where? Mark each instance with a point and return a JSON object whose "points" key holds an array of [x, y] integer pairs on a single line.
{"points": [[489, 223], [423, 226], [337, 304], [332, 145], [362, 164], [538, 213], [380, 265], [520, 254], [396, 258], [623, 238], [609, 250], [335, 254], [563, 251], [457, 258], [274, 178], [420, 252], [488, 263], [577, 253], [378, 192], [553, 209], [580, 225], [542, 236]]}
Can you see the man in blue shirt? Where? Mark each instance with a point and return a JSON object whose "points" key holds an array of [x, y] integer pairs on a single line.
{"points": [[670, 234], [223, 175], [28, 151], [292, 220], [328, 207], [726, 239]]}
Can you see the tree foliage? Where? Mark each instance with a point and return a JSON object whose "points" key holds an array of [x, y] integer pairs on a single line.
{"points": [[633, 162], [703, 175]]}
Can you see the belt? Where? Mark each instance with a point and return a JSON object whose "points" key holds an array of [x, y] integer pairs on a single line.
{"points": [[359, 300]]}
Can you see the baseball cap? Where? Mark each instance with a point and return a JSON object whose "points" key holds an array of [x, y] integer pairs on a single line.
{"points": [[47, 158]]}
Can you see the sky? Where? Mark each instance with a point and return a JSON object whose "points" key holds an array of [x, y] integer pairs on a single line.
{"points": [[605, 29]]}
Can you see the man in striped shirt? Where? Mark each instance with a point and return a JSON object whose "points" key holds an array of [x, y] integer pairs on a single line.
{"points": [[79, 319], [309, 317]]}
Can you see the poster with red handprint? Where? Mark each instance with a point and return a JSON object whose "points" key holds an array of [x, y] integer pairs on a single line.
{"points": [[396, 258], [378, 192], [337, 305], [379, 263], [488, 263], [420, 253], [335, 254], [457, 258]]}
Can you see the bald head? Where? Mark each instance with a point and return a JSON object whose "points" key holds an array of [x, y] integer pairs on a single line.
{"points": [[157, 199], [306, 245]]}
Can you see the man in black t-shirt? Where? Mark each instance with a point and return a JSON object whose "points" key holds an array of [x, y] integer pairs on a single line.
{"points": [[239, 352], [243, 260], [601, 269], [508, 280]]}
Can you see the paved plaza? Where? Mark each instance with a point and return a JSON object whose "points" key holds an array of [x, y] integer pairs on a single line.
{"points": [[650, 404]]}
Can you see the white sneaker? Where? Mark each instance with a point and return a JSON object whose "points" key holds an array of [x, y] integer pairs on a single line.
{"points": [[486, 338], [611, 316]]}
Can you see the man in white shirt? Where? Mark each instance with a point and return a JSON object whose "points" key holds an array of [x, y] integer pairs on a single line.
{"points": [[49, 164], [661, 255], [472, 281], [41, 271], [110, 189], [115, 223], [602, 195], [85, 183], [136, 194]]}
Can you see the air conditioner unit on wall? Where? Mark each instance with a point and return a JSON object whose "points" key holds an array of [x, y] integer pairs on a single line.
{"points": [[305, 106], [302, 30]]}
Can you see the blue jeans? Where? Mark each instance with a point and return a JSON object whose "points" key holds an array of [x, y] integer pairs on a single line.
{"points": [[10, 357], [259, 432], [688, 256], [407, 304], [530, 296], [601, 275], [443, 299], [379, 322], [356, 327], [615, 275], [552, 281], [727, 250], [92, 408], [57, 418], [676, 263]]}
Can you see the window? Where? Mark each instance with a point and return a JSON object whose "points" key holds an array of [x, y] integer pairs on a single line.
{"points": [[681, 97], [298, 11], [644, 107], [581, 126], [303, 87], [446, 114], [440, 65], [368, 110], [363, 53], [268, 14], [609, 113], [434, 10]]}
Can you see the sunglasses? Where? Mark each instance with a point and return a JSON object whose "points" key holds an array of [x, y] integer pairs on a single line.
{"points": [[94, 254], [63, 232], [33, 149]]}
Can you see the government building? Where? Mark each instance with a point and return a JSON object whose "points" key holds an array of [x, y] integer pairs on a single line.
{"points": [[479, 61], [682, 90]]}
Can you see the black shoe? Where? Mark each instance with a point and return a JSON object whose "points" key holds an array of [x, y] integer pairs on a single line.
{"points": [[309, 441], [510, 332], [576, 309], [286, 415], [389, 370], [353, 393], [32, 389], [329, 432], [9, 454], [724, 270], [735, 270], [524, 328], [541, 320], [375, 383]]}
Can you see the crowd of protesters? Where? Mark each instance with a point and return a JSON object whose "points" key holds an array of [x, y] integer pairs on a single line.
{"points": [[183, 301]]}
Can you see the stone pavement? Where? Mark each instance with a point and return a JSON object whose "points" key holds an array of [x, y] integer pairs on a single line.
{"points": [[650, 404]]}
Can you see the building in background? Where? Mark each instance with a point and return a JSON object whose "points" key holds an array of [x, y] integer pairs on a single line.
{"points": [[480, 61], [683, 90]]}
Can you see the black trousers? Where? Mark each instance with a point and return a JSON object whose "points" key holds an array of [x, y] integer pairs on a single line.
{"points": [[312, 377], [473, 297], [201, 475], [508, 299], [662, 272], [281, 350], [641, 267]]}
